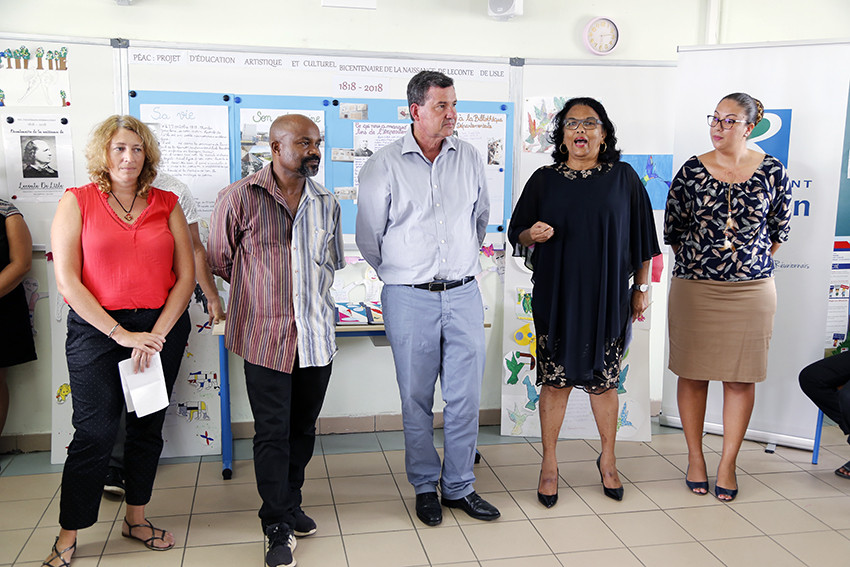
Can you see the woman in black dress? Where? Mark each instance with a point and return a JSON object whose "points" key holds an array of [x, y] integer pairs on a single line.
{"points": [[585, 227], [16, 344]]}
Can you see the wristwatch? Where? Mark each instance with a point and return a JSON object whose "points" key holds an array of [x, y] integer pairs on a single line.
{"points": [[642, 287]]}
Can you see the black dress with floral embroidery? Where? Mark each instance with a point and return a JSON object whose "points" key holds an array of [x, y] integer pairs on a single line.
{"points": [[726, 229], [581, 301]]}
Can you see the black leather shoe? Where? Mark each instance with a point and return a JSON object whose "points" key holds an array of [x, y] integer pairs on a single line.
{"points": [[475, 506], [428, 508]]}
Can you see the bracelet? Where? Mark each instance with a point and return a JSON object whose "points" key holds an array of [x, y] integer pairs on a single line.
{"points": [[109, 336]]}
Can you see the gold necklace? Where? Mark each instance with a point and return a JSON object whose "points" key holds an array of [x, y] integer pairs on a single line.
{"points": [[127, 216]]}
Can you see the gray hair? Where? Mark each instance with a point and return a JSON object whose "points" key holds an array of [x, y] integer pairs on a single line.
{"points": [[417, 88]]}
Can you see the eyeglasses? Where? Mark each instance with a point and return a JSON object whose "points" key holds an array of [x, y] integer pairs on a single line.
{"points": [[725, 123], [588, 123]]}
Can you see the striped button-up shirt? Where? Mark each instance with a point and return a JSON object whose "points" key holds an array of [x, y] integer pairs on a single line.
{"points": [[280, 271]]}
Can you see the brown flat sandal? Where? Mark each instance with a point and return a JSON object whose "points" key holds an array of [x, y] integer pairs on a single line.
{"points": [[148, 542], [49, 562]]}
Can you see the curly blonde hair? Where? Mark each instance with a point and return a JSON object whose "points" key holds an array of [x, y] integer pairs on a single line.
{"points": [[97, 152]]}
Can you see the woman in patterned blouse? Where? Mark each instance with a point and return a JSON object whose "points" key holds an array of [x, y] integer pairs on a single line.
{"points": [[727, 214]]}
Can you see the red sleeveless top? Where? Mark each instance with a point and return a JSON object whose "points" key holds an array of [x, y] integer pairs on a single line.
{"points": [[127, 266]]}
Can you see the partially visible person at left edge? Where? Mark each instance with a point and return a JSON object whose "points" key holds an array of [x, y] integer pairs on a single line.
{"points": [[276, 237], [16, 343], [123, 262]]}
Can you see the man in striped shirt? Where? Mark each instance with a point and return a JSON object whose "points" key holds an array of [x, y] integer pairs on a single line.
{"points": [[276, 238]]}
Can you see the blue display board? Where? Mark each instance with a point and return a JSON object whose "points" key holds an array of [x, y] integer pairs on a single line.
{"points": [[339, 127]]}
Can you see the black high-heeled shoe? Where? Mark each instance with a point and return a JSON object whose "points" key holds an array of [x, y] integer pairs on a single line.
{"points": [[615, 493], [696, 485], [547, 500]]}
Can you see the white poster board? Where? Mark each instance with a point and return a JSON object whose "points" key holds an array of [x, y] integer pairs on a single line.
{"points": [[520, 395]]}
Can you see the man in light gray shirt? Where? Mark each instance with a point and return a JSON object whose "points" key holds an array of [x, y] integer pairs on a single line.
{"points": [[422, 213]]}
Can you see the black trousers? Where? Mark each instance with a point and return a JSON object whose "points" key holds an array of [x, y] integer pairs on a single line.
{"points": [[98, 403], [821, 380], [285, 408]]}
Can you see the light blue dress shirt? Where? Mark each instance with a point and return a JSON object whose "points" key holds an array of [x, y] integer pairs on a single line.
{"points": [[419, 221]]}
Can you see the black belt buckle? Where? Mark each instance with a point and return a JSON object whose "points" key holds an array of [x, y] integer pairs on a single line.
{"points": [[439, 286]]}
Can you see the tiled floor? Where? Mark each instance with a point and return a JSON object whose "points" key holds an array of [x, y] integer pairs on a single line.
{"points": [[789, 512]]}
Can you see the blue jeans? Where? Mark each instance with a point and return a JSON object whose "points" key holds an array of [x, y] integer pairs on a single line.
{"points": [[438, 334]]}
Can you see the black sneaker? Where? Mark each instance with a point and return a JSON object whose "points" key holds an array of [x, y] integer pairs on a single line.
{"points": [[281, 545], [114, 483], [304, 524]]}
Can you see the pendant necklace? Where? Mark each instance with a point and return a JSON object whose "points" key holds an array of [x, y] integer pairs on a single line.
{"points": [[127, 216], [727, 244]]}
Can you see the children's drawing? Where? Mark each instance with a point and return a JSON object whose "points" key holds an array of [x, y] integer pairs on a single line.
{"points": [[340, 291], [514, 364], [532, 393], [373, 285], [524, 336], [623, 419], [206, 437], [62, 393], [204, 380], [518, 418], [539, 114], [621, 389], [192, 411], [523, 304]]}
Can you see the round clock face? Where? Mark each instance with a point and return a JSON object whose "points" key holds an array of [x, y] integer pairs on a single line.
{"points": [[601, 36]]}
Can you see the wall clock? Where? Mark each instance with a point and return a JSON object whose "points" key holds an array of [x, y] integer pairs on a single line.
{"points": [[601, 36]]}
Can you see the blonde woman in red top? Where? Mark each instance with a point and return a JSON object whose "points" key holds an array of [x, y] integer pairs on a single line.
{"points": [[123, 261]]}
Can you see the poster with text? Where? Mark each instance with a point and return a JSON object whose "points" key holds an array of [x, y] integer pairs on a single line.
{"points": [[487, 133], [372, 136], [195, 145], [39, 157], [254, 125]]}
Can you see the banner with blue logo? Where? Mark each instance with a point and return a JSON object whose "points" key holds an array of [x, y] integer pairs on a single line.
{"points": [[805, 95]]}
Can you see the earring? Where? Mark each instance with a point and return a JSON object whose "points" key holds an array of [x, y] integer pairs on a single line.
{"points": [[563, 149], [604, 147]]}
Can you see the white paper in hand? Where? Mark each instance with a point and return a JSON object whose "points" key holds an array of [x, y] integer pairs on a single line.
{"points": [[144, 391]]}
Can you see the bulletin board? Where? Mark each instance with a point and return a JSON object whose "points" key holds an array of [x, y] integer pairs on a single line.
{"points": [[352, 98], [190, 135]]}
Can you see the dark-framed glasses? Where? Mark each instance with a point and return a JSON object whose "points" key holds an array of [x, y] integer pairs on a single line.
{"points": [[725, 123], [587, 123]]}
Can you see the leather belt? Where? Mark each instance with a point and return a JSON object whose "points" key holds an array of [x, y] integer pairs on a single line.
{"points": [[443, 286]]}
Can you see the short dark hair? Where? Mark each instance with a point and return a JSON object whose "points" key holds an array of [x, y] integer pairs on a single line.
{"points": [[556, 136], [753, 108], [417, 88]]}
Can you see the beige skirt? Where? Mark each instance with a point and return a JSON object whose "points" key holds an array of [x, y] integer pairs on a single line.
{"points": [[721, 330]]}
